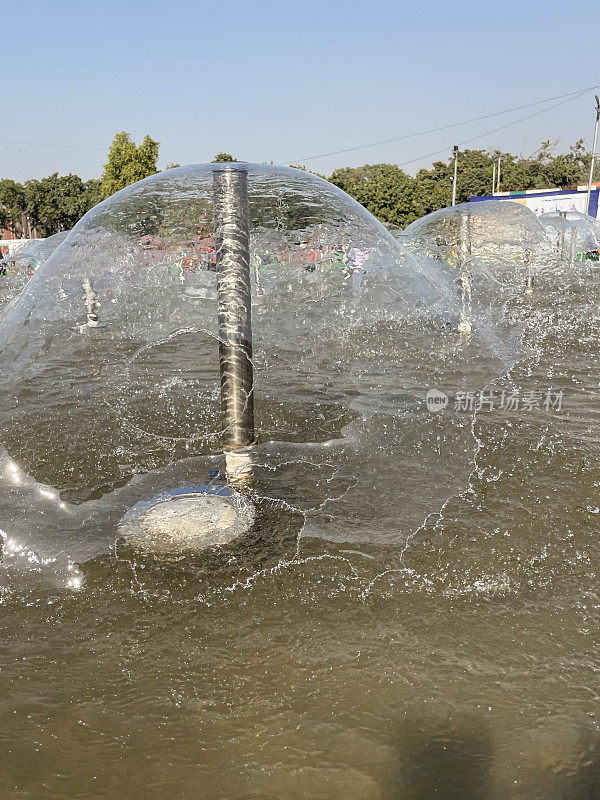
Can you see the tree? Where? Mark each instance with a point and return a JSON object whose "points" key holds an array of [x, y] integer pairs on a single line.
{"points": [[567, 168], [542, 170], [433, 188], [384, 189], [57, 202], [12, 205], [92, 194], [475, 174], [128, 163]]}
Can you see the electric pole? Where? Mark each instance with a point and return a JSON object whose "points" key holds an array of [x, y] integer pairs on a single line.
{"points": [[589, 188], [498, 174], [455, 174]]}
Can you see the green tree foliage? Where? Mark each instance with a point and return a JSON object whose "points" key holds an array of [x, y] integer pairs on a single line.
{"points": [[544, 169], [395, 197], [92, 191], [433, 188], [12, 205], [57, 202], [384, 189], [128, 162]]}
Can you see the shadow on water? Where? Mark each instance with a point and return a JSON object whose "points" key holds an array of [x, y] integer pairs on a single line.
{"points": [[456, 755], [443, 756]]}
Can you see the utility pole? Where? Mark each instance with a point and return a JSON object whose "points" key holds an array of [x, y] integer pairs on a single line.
{"points": [[494, 178], [455, 174], [589, 188], [498, 174]]}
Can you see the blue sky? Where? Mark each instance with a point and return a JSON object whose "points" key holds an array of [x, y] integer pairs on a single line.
{"points": [[284, 81]]}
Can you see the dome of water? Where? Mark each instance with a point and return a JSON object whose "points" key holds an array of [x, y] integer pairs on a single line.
{"points": [[17, 268], [110, 364], [37, 251], [496, 229], [496, 246], [572, 229]]}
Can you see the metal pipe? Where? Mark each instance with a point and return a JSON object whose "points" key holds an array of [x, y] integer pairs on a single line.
{"points": [[528, 260], [464, 237], [232, 250], [572, 252], [561, 238], [591, 178], [464, 265], [89, 298]]}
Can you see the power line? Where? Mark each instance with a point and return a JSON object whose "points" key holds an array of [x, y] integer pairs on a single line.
{"points": [[52, 144], [568, 95], [495, 130]]}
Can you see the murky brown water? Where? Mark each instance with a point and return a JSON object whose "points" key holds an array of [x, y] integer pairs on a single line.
{"points": [[453, 658]]}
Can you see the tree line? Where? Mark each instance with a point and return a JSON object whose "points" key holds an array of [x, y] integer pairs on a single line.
{"points": [[57, 202], [398, 199]]}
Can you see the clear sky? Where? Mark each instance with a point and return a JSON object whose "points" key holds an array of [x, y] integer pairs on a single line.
{"points": [[280, 81]]}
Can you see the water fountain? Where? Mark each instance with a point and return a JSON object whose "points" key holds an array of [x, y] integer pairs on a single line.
{"points": [[505, 241], [111, 358], [574, 235], [407, 605], [17, 268]]}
